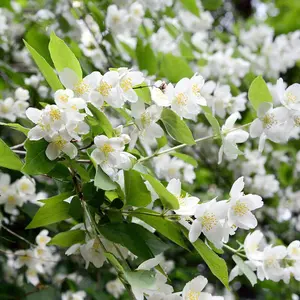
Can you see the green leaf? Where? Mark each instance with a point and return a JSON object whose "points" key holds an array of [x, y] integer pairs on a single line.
{"points": [[176, 128], [58, 198], [259, 92], [75, 209], [103, 122], [36, 161], [216, 264], [143, 93], [212, 120], [16, 126], [45, 68], [169, 229], [135, 238], [92, 195], [191, 5], [142, 279], [136, 191], [186, 158], [62, 56], [167, 198], [145, 57], [175, 67], [8, 159], [68, 238], [103, 181], [49, 214], [245, 269], [211, 4]]}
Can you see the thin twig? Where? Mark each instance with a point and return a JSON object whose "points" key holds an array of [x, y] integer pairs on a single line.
{"points": [[19, 152], [17, 146], [16, 235]]}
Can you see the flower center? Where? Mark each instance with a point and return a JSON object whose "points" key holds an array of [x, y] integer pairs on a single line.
{"points": [[181, 99], [196, 89], [64, 98], [269, 120], [240, 208], [271, 262], [209, 221], [104, 88], [291, 98], [55, 114], [297, 121], [24, 186], [11, 199], [60, 143], [126, 84], [192, 295], [145, 119], [81, 88], [107, 148], [296, 251]]}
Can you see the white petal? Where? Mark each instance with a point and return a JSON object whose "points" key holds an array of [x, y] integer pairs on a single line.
{"points": [[195, 231], [70, 150], [52, 151], [264, 108], [256, 128], [68, 78], [174, 187]]}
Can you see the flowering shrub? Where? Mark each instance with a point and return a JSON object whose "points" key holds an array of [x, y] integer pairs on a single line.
{"points": [[148, 148]]}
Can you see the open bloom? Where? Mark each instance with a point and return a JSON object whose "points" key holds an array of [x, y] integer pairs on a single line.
{"points": [[289, 97], [251, 245], [60, 142], [42, 239], [187, 204], [106, 90], [269, 124], [129, 79], [194, 288], [293, 250], [230, 138], [81, 87], [92, 252], [208, 220], [240, 206]]}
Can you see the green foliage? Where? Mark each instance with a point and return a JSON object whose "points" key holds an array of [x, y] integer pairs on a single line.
{"points": [[211, 4], [102, 120], [92, 195], [212, 120], [259, 92], [168, 199], [62, 56], [8, 159], [45, 68], [68, 238], [16, 126], [36, 161], [50, 213], [175, 67], [176, 127], [191, 5], [245, 269], [186, 158], [58, 198], [136, 191], [169, 229], [75, 209], [135, 238], [103, 181], [145, 57]]}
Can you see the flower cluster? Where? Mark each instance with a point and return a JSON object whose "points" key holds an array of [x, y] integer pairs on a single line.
{"points": [[15, 194], [38, 260], [13, 108]]}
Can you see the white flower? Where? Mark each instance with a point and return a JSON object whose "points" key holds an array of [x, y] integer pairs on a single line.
{"points": [[289, 97], [251, 245], [25, 258], [76, 128], [158, 94], [208, 216], [7, 109], [236, 271], [92, 252], [187, 204], [146, 119], [240, 206], [115, 288], [32, 276], [181, 100], [116, 19], [293, 250], [81, 87], [269, 124], [11, 199], [69, 295], [231, 137], [21, 94], [197, 83], [60, 142], [42, 239], [25, 186], [193, 290], [129, 79], [106, 91], [272, 268]]}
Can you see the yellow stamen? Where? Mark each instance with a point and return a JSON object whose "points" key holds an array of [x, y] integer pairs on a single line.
{"points": [[192, 295], [181, 99], [240, 208], [104, 88], [126, 84], [209, 221], [81, 88], [269, 120]]}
